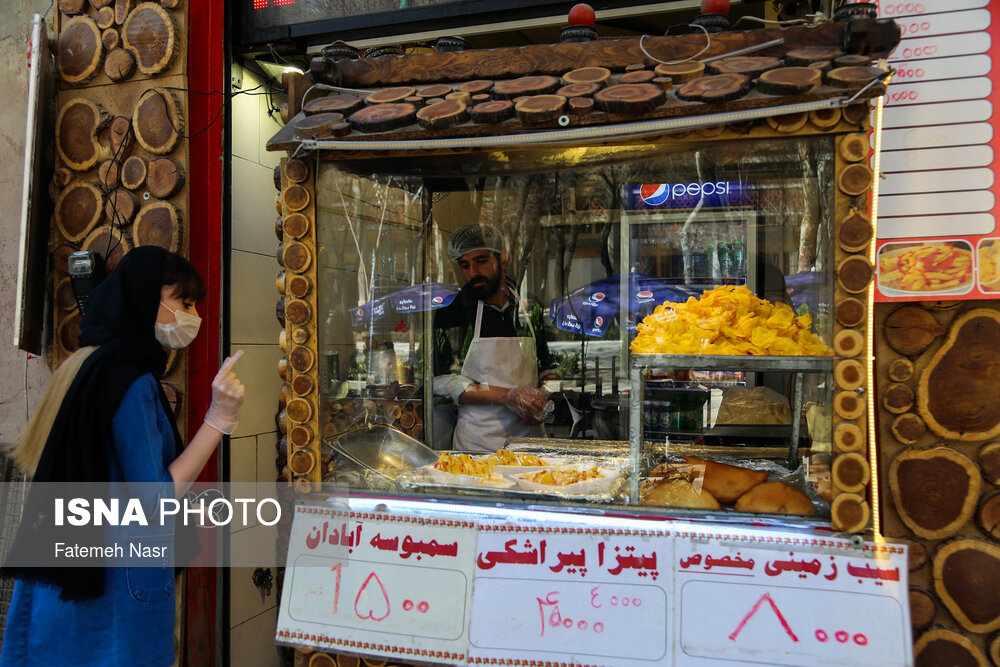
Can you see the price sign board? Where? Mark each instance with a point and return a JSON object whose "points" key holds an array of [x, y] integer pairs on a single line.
{"points": [[566, 594], [785, 599], [937, 209], [389, 585]]}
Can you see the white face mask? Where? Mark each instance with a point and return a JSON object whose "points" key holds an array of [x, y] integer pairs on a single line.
{"points": [[179, 334]]}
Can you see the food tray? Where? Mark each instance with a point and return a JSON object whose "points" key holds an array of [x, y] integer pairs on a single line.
{"points": [[383, 450]]}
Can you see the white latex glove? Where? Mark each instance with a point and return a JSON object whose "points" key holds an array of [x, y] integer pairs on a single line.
{"points": [[525, 401], [227, 397]]}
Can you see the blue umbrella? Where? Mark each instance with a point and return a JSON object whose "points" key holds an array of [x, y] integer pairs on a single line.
{"points": [[590, 308], [413, 299]]}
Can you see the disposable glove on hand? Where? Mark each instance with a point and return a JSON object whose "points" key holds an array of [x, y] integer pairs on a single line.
{"points": [[227, 397], [525, 401]]}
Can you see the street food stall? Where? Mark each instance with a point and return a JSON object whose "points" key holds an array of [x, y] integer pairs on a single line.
{"points": [[690, 241]]}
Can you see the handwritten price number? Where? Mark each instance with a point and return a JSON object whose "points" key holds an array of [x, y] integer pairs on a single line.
{"points": [[902, 8], [372, 580], [555, 618], [925, 51], [914, 28], [910, 73], [842, 636], [904, 96]]}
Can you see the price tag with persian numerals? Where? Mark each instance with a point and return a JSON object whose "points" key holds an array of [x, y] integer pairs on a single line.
{"points": [[398, 586], [570, 594]]}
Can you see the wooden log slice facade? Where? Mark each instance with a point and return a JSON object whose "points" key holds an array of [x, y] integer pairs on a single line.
{"points": [[849, 374], [941, 646], [910, 330], [540, 108], [495, 111], [923, 609], [296, 225], [855, 232], [935, 490], [811, 54], [104, 17], [715, 89], [849, 512], [119, 65], [854, 274], [80, 51], [900, 370], [77, 125], [988, 515], [121, 207], [789, 81], [344, 104], [959, 391], [108, 176], [133, 172], [850, 312], [629, 98], [897, 398], [318, 126], [109, 242], [855, 179], [383, 117], [78, 209], [966, 579], [640, 76], [444, 114], [122, 9], [150, 35], [908, 428], [157, 121], [751, 66], [527, 85], [158, 224], [853, 78], [681, 72], [853, 147], [390, 95], [165, 177], [988, 458], [596, 75]]}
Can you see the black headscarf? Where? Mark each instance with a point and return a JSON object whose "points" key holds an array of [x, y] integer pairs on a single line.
{"points": [[120, 318]]}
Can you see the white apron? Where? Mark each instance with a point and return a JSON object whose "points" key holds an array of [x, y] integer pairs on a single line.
{"points": [[496, 362]]}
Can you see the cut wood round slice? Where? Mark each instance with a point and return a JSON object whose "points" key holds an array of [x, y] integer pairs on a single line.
{"points": [[279, 282], [121, 138], [988, 515], [108, 175], [712, 130], [447, 113], [475, 87], [68, 333], [629, 98], [299, 410], [989, 462], [540, 108], [682, 72], [855, 179], [159, 224], [714, 89], [301, 359], [910, 330], [390, 95], [299, 287], [345, 104], [150, 35], [851, 472], [959, 390], [848, 404], [302, 385], [300, 336], [940, 646], [751, 66], [854, 147], [157, 120], [935, 490], [324, 660], [170, 4], [856, 114], [298, 312], [64, 296], [898, 398], [848, 437], [788, 122], [664, 82], [109, 243], [526, 85], [852, 78], [789, 81], [966, 579], [72, 7], [78, 209], [495, 111], [916, 556], [133, 172], [297, 171], [77, 126], [850, 312], [61, 177], [849, 513], [825, 119], [848, 343], [317, 125], [383, 117], [435, 90], [908, 428], [811, 54], [104, 18], [121, 207], [479, 98], [854, 232], [854, 274], [460, 96], [80, 50], [295, 225], [295, 197], [122, 9], [579, 106], [900, 370], [302, 462], [923, 609], [849, 374], [852, 60], [300, 435], [297, 257], [639, 76], [60, 256], [165, 177], [596, 75], [578, 90], [994, 650]]}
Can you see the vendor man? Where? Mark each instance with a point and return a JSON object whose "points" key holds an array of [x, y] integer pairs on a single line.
{"points": [[496, 392]]}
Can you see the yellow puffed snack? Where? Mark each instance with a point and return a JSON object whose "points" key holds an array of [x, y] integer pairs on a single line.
{"points": [[728, 320]]}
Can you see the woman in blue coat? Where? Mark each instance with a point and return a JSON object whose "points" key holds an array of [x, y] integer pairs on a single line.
{"points": [[104, 418]]}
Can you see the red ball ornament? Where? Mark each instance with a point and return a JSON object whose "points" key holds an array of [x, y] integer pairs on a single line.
{"points": [[714, 6], [583, 14]]}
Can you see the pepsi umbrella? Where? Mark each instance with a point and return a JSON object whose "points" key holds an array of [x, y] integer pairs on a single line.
{"points": [[590, 309], [417, 298]]}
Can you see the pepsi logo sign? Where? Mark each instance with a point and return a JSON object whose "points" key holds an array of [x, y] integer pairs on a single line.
{"points": [[644, 295], [598, 296], [437, 299], [599, 320], [654, 194]]}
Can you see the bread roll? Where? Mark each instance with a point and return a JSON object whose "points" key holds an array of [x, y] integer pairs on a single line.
{"points": [[726, 482], [679, 493], [775, 498]]}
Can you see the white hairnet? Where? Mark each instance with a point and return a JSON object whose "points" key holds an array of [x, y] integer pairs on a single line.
{"points": [[474, 237]]}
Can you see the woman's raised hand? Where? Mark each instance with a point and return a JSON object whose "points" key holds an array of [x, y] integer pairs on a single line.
{"points": [[227, 397]]}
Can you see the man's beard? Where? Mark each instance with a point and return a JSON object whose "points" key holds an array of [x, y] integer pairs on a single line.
{"points": [[484, 287]]}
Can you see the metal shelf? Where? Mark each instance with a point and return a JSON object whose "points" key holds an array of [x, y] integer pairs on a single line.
{"points": [[715, 362]]}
